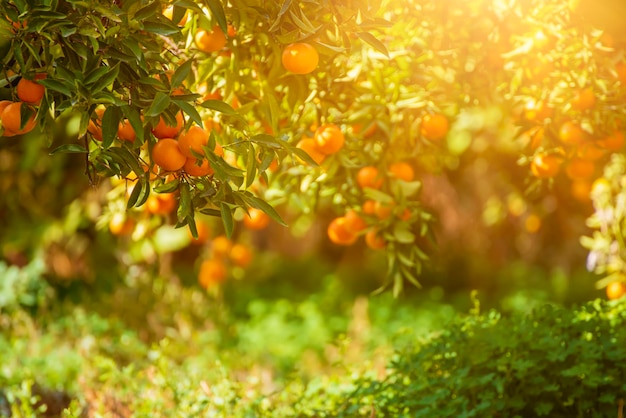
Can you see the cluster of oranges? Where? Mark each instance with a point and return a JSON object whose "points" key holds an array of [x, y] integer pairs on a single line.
{"points": [[29, 93], [327, 140], [577, 152], [369, 219], [223, 253]]}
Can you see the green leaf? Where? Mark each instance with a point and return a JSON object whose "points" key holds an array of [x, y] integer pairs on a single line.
{"points": [[402, 234], [373, 42], [185, 209], [159, 104], [227, 219], [148, 11], [110, 124], [218, 13], [302, 154], [211, 212], [251, 165], [377, 195], [181, 73], [69, 149], [57, 86], [94, 75], [106, 80], [167, 187], [165, 29], [140, 193], [261, 204], [218, 106], [134, 118], [267, 140], [190, 110]]}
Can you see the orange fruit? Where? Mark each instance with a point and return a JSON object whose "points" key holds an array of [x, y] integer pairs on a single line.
{"points": [[161, 203], [240, 255], [369, 207], [220, 246], [300, 58], [193, 140], [434, 127], [537, 111], [590, 151], [164, 130], [95, 127], [12, 119], [192, 168], [231, 31], [309, 145], [571, 133], [125, 131], [580, 169], [369, 176], [581, 190], [545, 165], [212, 272], [121, 225], [212, 125], [339, 232], [383, 210], [167, 155], [406, 214], [354, 222], [534, 136], [615, 290], [168, 12], [329, 138], [402, 170], [373, 240], [613, 142], [256, 219], [3, 105], [369, 131], [29, 91], [210, 41], [585, 99], [204, 233]]}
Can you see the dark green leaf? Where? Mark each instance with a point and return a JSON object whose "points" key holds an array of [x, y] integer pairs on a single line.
{"points": [[159, 104], [57, 86], [69, 149], [110, 123], [106, 80], [167, 187], [217, 11], [181, 73], [165, 29], [190, 110], [218, 106], [211, 212], [227, 219], [148, 11], [185, 208]]}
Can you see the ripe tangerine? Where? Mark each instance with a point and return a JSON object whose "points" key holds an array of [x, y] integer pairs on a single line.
{"points": [[300, 58], [167, 155]]}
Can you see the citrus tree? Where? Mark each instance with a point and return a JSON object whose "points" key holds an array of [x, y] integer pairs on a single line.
{"points": [[242, 109]]}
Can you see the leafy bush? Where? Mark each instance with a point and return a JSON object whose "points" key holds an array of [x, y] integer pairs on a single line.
{"points": [[554, 362]]}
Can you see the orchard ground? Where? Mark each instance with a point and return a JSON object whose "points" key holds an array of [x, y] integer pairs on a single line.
{"points": [[252, 208]]}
